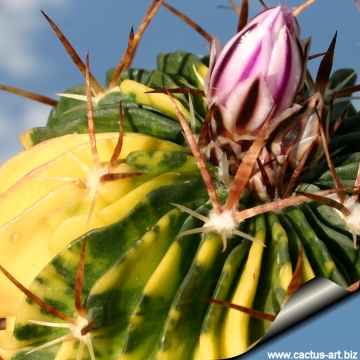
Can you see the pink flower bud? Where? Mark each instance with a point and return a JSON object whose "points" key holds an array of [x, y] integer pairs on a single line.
{"points": [[263, 65]]}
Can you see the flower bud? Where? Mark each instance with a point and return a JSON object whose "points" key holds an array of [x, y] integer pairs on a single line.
{"points": [[299, 133], [262, 66]]}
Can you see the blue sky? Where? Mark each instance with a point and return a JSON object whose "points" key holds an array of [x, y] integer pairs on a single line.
{"points": [[32, 58]]}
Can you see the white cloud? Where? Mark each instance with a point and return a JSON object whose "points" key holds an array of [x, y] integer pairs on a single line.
{"points": [[19, 21], [29, 115], [21, 25]]}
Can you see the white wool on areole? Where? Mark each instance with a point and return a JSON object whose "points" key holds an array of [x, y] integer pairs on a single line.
{"points": [[353, 219]]}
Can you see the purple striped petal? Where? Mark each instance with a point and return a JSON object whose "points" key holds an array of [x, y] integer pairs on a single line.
{"points": [[246, 107]]}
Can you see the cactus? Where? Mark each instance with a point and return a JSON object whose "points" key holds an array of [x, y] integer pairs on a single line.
{"points": [[138, 226]]}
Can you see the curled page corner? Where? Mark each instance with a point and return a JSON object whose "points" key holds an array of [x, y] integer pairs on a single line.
{"points": [[311, 298]]}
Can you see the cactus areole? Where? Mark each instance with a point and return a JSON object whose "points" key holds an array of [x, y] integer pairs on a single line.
{"points": [[171, 213]]}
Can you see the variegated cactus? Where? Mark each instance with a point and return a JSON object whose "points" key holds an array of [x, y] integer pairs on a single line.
{"points": [[171, 214]]}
